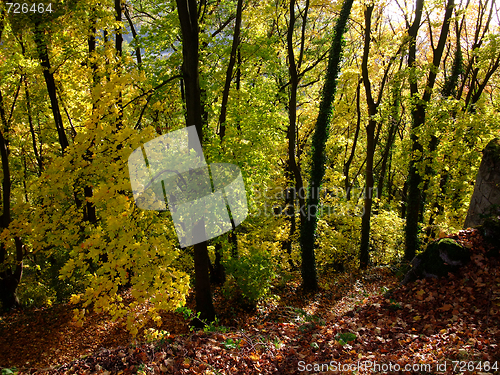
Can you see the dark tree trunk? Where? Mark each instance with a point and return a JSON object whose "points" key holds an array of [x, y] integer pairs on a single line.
{"points": [[308, 226], [138, 55], [364, 256], [8, 280], [418, 120], [89, 213], [347, 164], [371, 138], [217, 272], [188, 17], [119, 53], [43, 55], [229, 71], [219, 268], [293, 170], [118, 37], [394, 124]]}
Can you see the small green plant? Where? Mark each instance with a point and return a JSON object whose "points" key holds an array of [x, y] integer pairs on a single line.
{"points": [[186, 312], [344, 338], [250, 276], [393, 305], [214, 327], [314, 345], [315, 319], [232, 344], [9, 371], [277, 343], [307, 327]]}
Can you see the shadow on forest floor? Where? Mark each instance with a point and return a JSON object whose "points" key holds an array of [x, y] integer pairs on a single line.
{"points": [[351, 321]]}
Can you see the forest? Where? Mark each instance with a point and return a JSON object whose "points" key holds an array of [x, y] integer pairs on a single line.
{"points": [[341, 143]]}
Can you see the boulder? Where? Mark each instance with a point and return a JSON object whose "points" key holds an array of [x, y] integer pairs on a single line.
{"points": [[490, 230], [485, 201], [439, 258]]}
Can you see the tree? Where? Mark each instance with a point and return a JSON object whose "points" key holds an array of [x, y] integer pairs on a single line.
{"points": [[308, 226], [418, 119], [372, 127], [188, 17]]}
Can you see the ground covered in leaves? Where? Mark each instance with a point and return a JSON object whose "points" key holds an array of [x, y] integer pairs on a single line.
{"points": [[357, 323]]}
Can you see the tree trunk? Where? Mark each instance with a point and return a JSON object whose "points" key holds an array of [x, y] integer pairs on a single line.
{"points": [[418, 119], [308, 226], [43, 55], [293, 171], [188, 17], [364, 256], [347, 164], [138, 55], [229, 71], [8, 280]]}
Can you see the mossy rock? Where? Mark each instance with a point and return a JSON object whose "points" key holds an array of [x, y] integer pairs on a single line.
{"points": [[440, 258]]}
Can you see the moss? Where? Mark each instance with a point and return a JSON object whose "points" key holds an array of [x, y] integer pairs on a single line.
{"points": [[443, 256]]}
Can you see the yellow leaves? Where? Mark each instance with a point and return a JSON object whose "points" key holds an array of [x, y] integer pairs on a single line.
{"points": [[67, 269], [78, 317], [75, 298]]}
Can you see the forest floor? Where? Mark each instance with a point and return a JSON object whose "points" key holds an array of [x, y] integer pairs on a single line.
{"points": [[353, 324]]}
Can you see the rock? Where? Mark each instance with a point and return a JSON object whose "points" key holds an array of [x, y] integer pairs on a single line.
{"points": [[440, 257], [490, 230], [485, 201]]}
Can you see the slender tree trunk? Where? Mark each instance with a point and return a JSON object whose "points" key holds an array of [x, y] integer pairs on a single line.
{"points": [[293, 171], [188, 17], [229, 71], [219, 268], [308, 226], [9, 280], [418, 120], [138, 55], [347, 164], [394, 124], [364, 256], [119, 53], [38, 157], [43, 55], [89, 210]]}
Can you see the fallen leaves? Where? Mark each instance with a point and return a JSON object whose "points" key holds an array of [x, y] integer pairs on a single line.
{"points": [[429, 321]]}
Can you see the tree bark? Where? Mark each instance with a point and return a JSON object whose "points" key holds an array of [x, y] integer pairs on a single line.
{"points": [[138, 55], [370, 146], [293, 170], [43, 55], [418, 120], [229, 71], [347, 164], [308, 226], [188, 17], [9, 280]]}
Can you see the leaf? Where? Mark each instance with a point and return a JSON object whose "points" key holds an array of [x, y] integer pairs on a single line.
{"points": [[446, 307]]}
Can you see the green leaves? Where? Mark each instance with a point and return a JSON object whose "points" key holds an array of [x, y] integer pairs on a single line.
{"points": [[345, 338]]}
